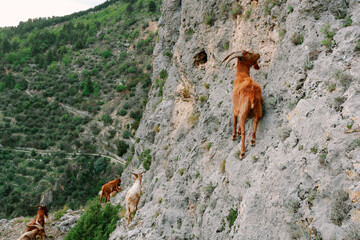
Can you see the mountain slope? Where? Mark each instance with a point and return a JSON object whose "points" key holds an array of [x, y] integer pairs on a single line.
{"points": [[72, 93], [300, 181]]}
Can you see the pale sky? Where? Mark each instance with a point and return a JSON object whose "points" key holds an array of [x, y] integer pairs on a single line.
{"points": [[14, 11]]}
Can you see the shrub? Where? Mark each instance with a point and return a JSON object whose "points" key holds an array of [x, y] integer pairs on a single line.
{"points": [[235, 10], [120, 88], [297, 38], [329, 35], [96, 222], [357, 47], [163, 74], [209, 19], [209, 189], [122, 112], [152, 6], [344, 79], [231, 217], [147, 162], [126, 134], [347, 21], [122, 147], [106, 119], [339, 207]]}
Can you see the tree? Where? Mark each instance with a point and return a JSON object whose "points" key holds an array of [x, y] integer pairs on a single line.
{"points": [[122, 147], [152, 6]]}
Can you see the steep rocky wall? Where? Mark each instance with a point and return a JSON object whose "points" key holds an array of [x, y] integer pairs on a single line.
{"points": [[302, 177]]}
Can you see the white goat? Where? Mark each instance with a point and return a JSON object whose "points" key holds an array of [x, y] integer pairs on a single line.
{"points": [[133, 196]]}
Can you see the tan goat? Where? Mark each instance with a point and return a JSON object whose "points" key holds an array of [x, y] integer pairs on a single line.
{"points": [[31, 235], [133, 196], [247, 97]]}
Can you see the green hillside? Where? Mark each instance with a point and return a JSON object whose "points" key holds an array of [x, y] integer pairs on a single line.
{"points": [[63, 80]]}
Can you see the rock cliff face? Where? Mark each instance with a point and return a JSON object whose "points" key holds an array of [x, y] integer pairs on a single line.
{"points": [[301, 180]]}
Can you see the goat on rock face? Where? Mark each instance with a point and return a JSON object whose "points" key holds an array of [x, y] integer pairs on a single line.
{"points": [[247, 98], [39, 218], [133, 196], [110, 189]]}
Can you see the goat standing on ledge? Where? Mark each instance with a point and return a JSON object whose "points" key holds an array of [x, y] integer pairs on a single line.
{"points": [[133, 196], [40, 218], [247, 98], [110, 189]]}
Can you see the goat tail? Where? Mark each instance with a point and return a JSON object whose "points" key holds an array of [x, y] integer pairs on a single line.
{"points": [[100, 193], [253, 102]]}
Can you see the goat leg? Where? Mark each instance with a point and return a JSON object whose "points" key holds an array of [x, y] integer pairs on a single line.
{"points": [[242, 126], [253, 137], [234, 128]]}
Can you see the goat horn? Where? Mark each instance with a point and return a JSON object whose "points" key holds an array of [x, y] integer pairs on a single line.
{"points": [[229, 56], [232, 59], [35, 225]]}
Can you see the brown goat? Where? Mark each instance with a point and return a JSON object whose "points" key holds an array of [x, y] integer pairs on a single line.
{"points": [[110, 189], [40, 218], [133, 196], [247, 98], [31, 235]]}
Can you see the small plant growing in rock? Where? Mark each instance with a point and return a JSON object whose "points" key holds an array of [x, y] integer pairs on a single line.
{"points": [[235, 10], [282, 33], [222, 228], [209, 189], [329, 36], [194, 117], [197, 174], [181, 171], [226, 45], [269, 4], [206, 85], [331, 87], [248, 13], [208, 146], [290, 8], [339, 207], [231, 217], [347, 21], [297, 38], [179, 223], [357, 47], [301, 147], [168, 53], [344, 79], [203, 98], [248, 183], [146, 156], [255, 159], [156, 128], [314, 149], [160, 200], [209, 19], [322, 159], [308, 64], [354, 144]]}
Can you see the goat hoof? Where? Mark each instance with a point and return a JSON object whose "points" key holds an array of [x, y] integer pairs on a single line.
{"points": [[242, 155], [233, 137], [252, 142]]}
